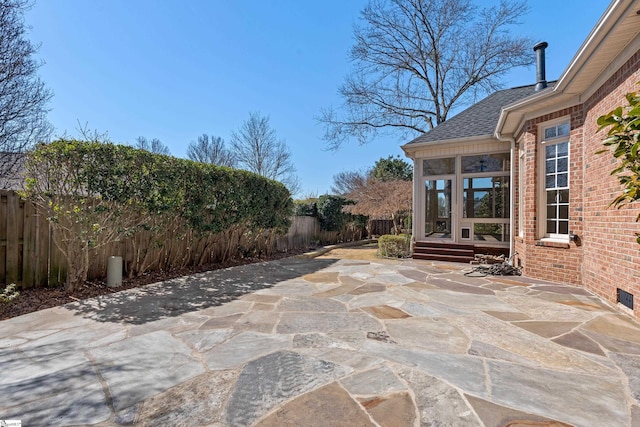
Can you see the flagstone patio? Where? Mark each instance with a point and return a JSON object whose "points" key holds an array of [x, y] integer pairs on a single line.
{"points": [[339, 340]]}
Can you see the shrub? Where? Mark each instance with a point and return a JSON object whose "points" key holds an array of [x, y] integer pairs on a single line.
{"points": [[306, 207], [623, 138], [330, 212], [9, 293], [95, 193], [391, 246]]}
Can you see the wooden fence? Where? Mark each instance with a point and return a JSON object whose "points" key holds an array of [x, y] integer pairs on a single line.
{"points": [[378, 227], [29, 257], [27, 253]]}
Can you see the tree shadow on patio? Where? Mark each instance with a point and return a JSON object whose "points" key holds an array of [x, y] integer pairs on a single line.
{"points": [[191, 293]]}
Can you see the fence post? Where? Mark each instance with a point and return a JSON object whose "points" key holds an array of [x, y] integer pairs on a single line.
{"points": [[28, 249], [13, 244]]}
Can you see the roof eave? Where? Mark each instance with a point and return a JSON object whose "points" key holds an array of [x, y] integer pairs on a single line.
{"points": [[512, 116], [412, 147]]}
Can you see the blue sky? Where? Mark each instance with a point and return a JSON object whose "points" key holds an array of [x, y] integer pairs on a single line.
{"points": [[174, 69]]}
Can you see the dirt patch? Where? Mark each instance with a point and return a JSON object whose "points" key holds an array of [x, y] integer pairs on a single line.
{"points": [[364, 252]]}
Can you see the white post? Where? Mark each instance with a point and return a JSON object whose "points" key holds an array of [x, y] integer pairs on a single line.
{"points": [[114, 271]]}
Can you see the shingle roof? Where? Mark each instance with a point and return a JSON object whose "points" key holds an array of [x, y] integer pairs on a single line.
{"points": [[478, 120]]}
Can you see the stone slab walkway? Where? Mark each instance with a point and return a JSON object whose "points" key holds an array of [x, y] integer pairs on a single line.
{"points": [[326, 342]]}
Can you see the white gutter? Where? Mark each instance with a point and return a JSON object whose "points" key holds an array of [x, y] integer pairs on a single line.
{"points": [[595, 37], [511, 188], [609, 20], [412, 147], [414, 220]]}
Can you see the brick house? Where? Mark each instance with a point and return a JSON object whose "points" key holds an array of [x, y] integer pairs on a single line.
{"points": [[536, 153]]}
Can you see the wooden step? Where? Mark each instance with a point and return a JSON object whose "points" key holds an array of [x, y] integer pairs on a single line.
{"points": [[437, 251], [448, 258], [443, 251], [443, 245]]}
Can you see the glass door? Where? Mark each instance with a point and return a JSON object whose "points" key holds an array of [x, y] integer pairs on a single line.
{"points": [[438, 218]]}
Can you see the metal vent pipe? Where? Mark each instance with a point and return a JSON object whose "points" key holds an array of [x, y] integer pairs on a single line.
{"points": [[541, 81]]}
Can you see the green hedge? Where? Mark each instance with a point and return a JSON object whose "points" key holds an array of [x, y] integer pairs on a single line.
{"points": [[209, 197], [95, 193], [306, 207], [392, 246], [330, 212]]}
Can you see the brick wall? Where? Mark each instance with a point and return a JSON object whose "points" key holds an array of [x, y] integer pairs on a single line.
{"points": [[556, 262], [607, 256], [611, 254]]}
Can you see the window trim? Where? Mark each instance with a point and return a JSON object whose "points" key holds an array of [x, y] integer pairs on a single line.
{"points": [[541, 168], [521, 181]]}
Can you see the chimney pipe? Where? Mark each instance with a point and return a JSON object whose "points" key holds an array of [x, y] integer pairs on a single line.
{"points": [[541, 82]]}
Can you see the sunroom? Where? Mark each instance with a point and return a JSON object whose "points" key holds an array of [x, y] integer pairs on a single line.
{"points": [[462, 196], [462, 189]]}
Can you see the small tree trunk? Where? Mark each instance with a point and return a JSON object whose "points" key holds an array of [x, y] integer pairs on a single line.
{"points": [[396, 225], [78, 267]]}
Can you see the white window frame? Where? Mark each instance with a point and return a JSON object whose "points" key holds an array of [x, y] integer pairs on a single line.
{"points": [[542, 190], [521, 181]]}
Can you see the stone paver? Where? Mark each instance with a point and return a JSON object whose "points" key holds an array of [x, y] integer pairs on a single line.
{"points": [[143, 366], [273, 379], [353, 341]]}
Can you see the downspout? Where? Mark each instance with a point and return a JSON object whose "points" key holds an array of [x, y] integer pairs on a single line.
{"points": [[414, 230], [511, 196], [512, 159]]}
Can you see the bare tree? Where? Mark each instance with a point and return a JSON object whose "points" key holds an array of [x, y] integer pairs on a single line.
{"points": [[210, 150], [23, 96], [153, 146], [380, 199], [257, 149], [414, 60], [347, 182], [384, 169]]}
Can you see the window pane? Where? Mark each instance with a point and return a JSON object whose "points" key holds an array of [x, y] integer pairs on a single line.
{"points": [[563, 196], [438, 166], [563, 180], [488, 198], [550, 132], [478, 183], [564, 227], [551, 212], [551, 227], [563, 149], [551, 181], [563, 129], [486, 163], [563, 164], [550, 151], [438, 208], [482, 205], [564, 212], [491, 232], [550, 166], [551, 197]]}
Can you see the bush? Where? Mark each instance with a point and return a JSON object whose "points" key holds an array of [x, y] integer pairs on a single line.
{"points": [[623, 138], [96, 193], [306, 207], [9, 293], [391, 246], [330, 212]]}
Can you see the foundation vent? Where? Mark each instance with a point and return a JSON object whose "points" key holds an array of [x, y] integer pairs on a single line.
{"points": [[625, 298]]}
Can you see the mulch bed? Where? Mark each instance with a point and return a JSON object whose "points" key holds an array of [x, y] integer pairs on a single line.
{"points": [[35, 299]]}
